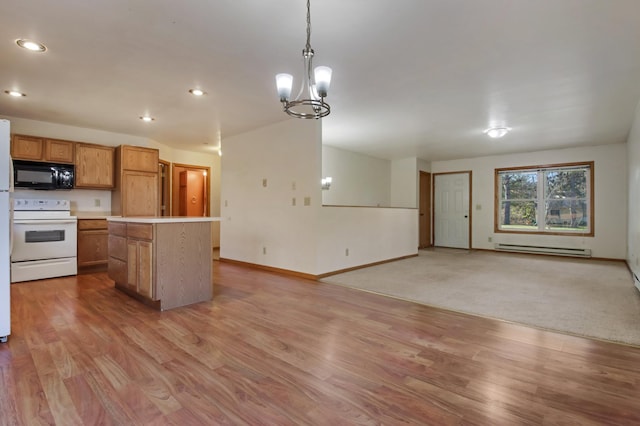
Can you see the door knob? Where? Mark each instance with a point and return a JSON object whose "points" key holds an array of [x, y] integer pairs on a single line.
{"points": [[466, 216]]}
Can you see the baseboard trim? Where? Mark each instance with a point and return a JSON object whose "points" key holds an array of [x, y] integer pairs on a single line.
{"points": [[270, 269], [310, 276], [354, 268]]}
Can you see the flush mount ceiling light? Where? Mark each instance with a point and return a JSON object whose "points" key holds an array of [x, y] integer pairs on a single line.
{"points": [[497, 132], [147, 119], [197, 92], [310, 100], [31, 45], [15, 94]]}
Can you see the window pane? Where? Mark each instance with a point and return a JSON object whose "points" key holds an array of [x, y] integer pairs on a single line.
{"points": [[567, 215], [565, 184], [519, 185], [519, 215]]}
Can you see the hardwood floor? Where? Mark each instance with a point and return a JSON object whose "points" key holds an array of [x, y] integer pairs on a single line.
{"points": [[278, 350]]}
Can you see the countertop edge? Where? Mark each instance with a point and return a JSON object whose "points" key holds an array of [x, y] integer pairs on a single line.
{"points": [[163, 219]]}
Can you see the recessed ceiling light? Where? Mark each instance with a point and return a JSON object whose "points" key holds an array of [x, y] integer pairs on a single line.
{"points": [[15, 94], [197, 92], [31, 45], [497, 132], [147, 119]]}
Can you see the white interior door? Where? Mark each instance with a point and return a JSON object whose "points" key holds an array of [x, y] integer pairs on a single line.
{"points": [[451, 210]]}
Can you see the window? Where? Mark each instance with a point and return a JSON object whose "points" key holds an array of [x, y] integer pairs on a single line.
{"points": [[556, 199]]}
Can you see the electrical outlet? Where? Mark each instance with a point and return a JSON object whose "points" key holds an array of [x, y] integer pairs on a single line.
{"points": [[225, 203], [307, 201], [264, 250], [96, 202], [293, 201], [346, 252], [478, 206], [490, 239], [264, 182]]}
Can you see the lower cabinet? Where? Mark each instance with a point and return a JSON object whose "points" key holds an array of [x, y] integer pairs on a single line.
{"points": [[165, 264], [93, 237], [140, 264]]}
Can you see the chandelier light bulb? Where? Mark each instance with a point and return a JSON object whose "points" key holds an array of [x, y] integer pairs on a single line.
{"points": [[284, 83], [323, 80]]}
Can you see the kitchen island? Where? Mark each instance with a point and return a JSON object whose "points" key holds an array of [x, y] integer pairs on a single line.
{"points": [[165, 262]]}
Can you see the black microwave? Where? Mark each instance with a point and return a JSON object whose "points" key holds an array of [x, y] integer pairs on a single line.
{"points": [[36, 175]]}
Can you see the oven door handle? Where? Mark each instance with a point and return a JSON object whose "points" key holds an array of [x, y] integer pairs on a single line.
{"points": [[43, 222]]}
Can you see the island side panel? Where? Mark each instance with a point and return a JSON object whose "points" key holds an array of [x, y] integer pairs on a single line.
{"points": [[184, 263]]}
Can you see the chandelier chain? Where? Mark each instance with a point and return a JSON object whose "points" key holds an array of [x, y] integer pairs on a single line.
{"points": [[308, 46]]}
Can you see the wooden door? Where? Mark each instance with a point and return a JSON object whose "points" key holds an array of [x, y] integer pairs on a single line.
{"points": [[424, 223], [192, 194], [452, 216], [204, 174]]}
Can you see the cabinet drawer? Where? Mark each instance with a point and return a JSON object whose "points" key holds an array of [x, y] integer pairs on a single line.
{"points": [[84, 224], [118, 228], [141, 231], [118, 247]]}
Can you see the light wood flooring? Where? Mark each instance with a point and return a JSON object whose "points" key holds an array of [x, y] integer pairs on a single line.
{"points": [[277, 350]]}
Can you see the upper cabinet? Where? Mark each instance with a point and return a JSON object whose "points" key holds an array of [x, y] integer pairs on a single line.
{"points": [[139, 158], [136, 190], [94, 166], [32, 148]]}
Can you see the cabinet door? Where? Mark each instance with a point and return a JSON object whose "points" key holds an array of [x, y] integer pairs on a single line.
{"points": [[139, 193], [139, 158], [140, 267], [93, 247], [94, 166], [58, 151], [145, 269], [27, 148]]}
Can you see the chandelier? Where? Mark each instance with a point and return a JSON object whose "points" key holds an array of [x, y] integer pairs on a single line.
{"points": [[309, 103]]}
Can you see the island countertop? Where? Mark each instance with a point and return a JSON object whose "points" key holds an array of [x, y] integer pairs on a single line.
{"points": [[162, 219], [165, 262]]}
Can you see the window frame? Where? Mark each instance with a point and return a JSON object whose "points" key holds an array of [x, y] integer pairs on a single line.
{"points": [[540, 198]]}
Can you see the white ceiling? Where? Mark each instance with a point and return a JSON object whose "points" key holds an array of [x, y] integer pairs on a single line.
{"points": [[410, 77]]}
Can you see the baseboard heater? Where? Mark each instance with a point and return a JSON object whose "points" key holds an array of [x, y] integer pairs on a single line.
{"points": [[559, 251]]}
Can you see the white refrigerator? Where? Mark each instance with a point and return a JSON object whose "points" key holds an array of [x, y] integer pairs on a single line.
{"points": [[5, 231]]}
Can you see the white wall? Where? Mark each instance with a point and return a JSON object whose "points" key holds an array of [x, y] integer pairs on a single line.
{"points": [[263, 171], [610, 194], [404, 183], [307, 239], [369, 234], [358, 179], [633, 159]]}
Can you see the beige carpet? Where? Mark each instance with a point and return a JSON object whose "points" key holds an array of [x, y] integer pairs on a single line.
{"points": [[579, 296]]}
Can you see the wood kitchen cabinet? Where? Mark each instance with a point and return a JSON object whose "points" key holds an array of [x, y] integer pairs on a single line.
{"points": [[131, 258], [93, 249], [163, 262], [136, 189], [33, 148], [140, 259], [94, 166]]}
